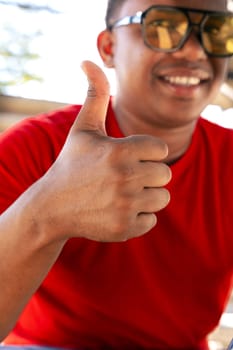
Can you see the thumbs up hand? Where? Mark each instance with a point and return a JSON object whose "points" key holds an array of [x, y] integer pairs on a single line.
{"points": [[102, 188]]}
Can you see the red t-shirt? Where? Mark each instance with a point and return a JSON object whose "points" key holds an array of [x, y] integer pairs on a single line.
{"points": [[164, 290]]}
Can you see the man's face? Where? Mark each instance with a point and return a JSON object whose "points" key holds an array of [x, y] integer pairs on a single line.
{"points": [[166, 88]]}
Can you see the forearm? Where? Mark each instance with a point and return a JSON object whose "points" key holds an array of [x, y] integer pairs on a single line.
{"points": [[98, 188], [26, 256]]}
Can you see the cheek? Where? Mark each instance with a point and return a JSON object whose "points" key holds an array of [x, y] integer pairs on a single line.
{"points": [[130, 50], [219, 66], [131, 65], [220, 69]]}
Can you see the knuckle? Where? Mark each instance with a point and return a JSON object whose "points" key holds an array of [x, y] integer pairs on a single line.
{"points": [[120, 161], [91, 92], [145, 223], [152, 142], [125, 206], [123, 148], [158, 199], [163, 197], [162, 174], [166, 172], [162, 147], [121, 227]]}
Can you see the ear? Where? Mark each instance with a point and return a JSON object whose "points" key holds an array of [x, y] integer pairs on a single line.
{"points": [[105, 46]]}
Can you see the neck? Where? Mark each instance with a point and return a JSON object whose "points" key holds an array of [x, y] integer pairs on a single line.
{"points": [[176, 136]]}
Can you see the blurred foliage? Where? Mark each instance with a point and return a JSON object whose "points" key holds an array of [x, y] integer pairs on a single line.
{"points": [[28, 6], [17, 54]]}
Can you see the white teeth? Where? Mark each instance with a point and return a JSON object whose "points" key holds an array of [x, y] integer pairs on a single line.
{"points": [[184, 81]]}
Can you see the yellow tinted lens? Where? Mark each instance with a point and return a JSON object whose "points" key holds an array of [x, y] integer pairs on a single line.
{"points": [[164, 28], [217, 34]]}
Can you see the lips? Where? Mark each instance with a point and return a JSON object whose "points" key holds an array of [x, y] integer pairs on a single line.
{"points": [[184, 83], [185, 78]]}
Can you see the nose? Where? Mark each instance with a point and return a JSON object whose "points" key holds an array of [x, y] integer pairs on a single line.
{"points": [[192, 49]]}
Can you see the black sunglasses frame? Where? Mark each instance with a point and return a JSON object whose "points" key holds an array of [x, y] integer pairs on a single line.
{"points": [[140, 16]]}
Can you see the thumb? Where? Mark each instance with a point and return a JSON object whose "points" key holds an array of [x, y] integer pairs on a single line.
{"points": [[92, 115]]}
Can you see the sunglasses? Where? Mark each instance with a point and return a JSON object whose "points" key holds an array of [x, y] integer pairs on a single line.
{"points": [[166, 29]]}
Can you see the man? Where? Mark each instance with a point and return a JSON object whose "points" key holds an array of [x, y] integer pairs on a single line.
{"points": [[94, 252]]}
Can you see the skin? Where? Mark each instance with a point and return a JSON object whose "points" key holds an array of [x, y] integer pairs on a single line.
{"points": [[126, 207], [105, 211], [138, 71]]}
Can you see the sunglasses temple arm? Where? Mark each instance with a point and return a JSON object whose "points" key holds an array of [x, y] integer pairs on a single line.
{"points": [[136, 19]]}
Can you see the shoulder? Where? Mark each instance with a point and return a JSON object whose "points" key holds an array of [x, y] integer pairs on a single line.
{"points": [[211, 147], [214, 143], [213, 132], [54, 120], [29, 147], [51, 127], [35, 142], [213, 126]]}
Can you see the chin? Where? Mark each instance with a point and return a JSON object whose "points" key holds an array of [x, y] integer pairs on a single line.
{"points": [[179, 120]]}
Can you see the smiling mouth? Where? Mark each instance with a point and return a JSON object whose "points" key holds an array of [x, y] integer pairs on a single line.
{"points": [[183, 81]]}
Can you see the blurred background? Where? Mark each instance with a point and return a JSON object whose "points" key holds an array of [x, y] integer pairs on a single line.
{"points": [[42, 46], [43, 43]]}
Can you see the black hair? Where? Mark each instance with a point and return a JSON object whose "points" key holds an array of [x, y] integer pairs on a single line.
{"points": [[112, 8]]}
